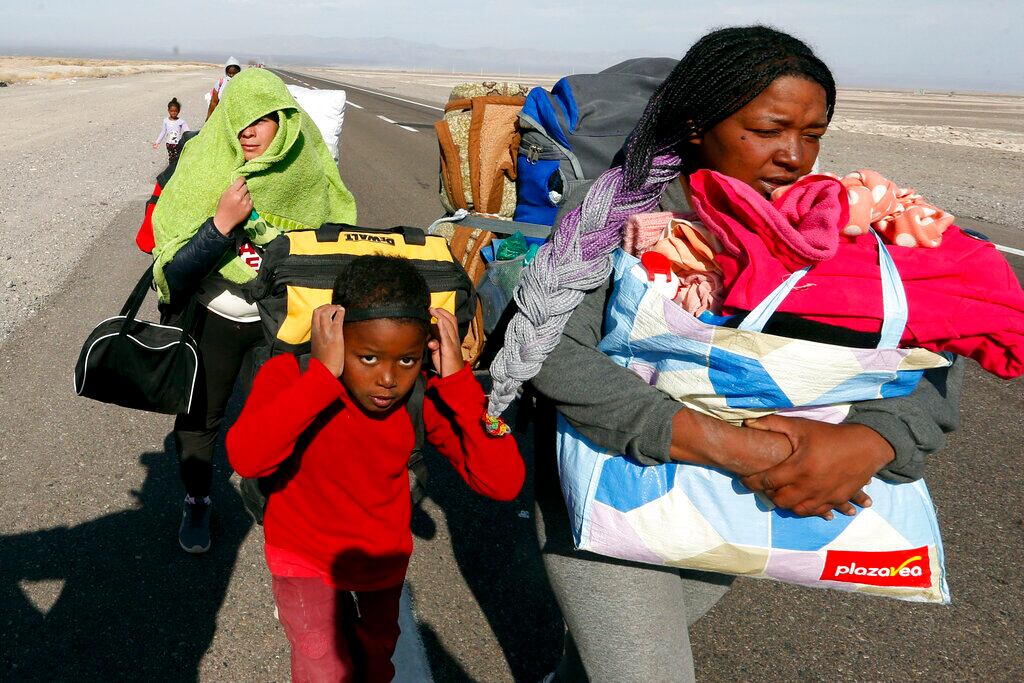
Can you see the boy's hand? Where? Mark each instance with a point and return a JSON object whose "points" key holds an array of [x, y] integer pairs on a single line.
{"points": [[446, 347], [328, 338], [155, 145], [234, 207]]}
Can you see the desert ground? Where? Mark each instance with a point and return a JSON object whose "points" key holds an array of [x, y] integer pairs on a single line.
{"points": [[29, 69]]}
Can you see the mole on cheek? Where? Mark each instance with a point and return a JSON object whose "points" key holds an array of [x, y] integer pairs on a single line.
{"points": [[743, 137]]}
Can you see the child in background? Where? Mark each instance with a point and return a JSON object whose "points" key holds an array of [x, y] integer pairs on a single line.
{"points": [[173, 129], [336, 437], [231, 69]]}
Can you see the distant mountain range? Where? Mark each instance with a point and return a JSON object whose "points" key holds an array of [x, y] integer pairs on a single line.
{"points": [[405, 54], [394, 53], [391, 53]]}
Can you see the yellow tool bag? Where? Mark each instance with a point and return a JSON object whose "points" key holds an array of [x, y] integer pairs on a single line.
{"points": [[299, 269]]}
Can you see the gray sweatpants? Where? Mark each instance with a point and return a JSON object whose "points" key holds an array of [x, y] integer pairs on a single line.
{"points": [[626, 621]]}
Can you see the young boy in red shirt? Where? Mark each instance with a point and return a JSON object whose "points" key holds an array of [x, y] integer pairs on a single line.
{"points": [[337, 522]]}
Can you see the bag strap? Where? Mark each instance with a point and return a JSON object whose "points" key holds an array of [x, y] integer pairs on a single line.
{"points": [[138, 295], [417, 465], [451, 166], [134, 303], [466, 245], [758, 318], [894, 301], [495, 225]]}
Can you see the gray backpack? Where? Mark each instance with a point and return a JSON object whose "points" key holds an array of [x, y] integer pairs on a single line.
{"points": [[574, 133]]}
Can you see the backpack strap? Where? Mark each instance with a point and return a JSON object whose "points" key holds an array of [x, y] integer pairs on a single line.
{"points": [[505, 227], [418, 474]]}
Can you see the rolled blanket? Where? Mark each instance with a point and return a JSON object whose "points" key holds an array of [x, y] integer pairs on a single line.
{"points": [[690, 247], [700, 292]]}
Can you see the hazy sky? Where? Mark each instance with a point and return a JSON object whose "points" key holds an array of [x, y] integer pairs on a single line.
{"points": [[963, 44]]}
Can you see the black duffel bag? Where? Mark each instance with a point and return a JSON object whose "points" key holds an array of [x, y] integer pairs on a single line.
{"points": [[139, 364]]}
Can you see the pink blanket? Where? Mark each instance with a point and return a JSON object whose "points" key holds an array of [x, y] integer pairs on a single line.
{"points": [[962, 294], [798, 228]]}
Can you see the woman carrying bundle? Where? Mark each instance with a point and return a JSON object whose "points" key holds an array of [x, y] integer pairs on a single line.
{"points": [[751, 103], [259, 167]]}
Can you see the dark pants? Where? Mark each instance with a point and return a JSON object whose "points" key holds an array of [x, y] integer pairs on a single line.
{"points": [[337, 635], [172, 152], [226, 348]]}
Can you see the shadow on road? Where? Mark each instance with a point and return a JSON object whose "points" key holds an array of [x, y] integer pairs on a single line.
{"points": [[497, 554], [115, 598]]}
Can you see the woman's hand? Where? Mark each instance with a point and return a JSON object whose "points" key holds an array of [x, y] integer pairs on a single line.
{"points": [[446, 347], [234, 207], [327, 337], [155, 145], [705, 440], [828, 469]]}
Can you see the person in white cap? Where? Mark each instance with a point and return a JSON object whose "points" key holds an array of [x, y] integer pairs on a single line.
{"points": [[231, 68]]}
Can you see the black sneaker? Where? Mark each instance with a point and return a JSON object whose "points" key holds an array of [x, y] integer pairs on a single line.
{"points": [[194, 532]]}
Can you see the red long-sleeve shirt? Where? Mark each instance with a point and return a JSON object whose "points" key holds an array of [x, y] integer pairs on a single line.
{"points": [[345, 512]]}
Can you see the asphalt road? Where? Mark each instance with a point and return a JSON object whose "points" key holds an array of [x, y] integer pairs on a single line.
{"points": [[93, 586]]}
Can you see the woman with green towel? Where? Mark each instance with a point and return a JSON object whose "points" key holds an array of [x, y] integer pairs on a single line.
{"points": [[259, 167]]}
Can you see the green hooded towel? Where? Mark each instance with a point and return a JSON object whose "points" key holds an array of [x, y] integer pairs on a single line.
{"points": [[294, 185]]}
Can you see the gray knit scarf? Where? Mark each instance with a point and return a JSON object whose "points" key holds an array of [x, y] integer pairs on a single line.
{"points": [[575, 261]]}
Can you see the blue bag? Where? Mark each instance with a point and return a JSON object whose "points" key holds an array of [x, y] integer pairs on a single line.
{"points": [[572, 134], [696, 517]]}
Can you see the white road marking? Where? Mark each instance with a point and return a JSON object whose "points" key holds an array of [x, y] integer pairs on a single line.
{"points": [[353, 104], [385, 119], [408, 128], [1010, 250], [390, 97]]}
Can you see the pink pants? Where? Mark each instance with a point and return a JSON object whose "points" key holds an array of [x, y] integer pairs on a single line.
{"points": [[337, 635]]}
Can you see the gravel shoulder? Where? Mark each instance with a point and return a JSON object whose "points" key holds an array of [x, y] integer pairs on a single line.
{"points": [[72, 155], [25, 69]]}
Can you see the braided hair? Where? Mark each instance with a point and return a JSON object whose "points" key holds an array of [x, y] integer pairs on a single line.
{"points": [[718, 76]]}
